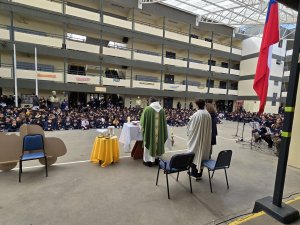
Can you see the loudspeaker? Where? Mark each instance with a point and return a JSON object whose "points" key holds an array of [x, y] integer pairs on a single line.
{"points": [[125, 67], [125, 40]]}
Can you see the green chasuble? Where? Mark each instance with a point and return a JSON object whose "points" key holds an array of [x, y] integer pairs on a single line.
{"points": [[155, 132]]}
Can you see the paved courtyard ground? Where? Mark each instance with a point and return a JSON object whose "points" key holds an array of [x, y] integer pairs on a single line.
{"points": [[79, 192]]}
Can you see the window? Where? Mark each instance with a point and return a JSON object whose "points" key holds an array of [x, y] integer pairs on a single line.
{"points": [[223, 85], [278, 61], [224, 64], [211, 62], [208, 39], [210, 83], [280, 44], [76, 37], [77, 70], [112, 74], [234, 85], [171, 55], [273, 103], [275, 95], [275, 82]]}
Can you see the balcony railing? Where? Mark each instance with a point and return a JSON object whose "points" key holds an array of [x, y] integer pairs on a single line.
{"points": [[221, 47], [115, 82], [201, 42], [5, 72], [146, 84], [34, 37], [148, 28], [4, 33], [174, 87], [237, 51], [178, 36], [41, 75], [216, 90], [219, 69], [88, 79], [234, 72], [232, 92], [146, 56], [117, 22], [200, 89], [195, 64], [286, 73], [42, 4], [82, 46], [284, 94], [181, 62], [117, 52], [85, 14]]}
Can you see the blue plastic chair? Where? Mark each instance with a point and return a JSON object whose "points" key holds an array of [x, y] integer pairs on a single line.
{"points": [[223, 162], [33, 148], [177, 164]]}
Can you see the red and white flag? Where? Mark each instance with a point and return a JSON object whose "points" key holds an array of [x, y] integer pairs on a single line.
{"points": [[270, 37]]}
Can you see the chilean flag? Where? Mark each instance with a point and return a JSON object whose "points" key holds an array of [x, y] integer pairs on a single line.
{"points": [[270, 37]]}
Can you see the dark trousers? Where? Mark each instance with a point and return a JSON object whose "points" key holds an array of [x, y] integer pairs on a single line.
{"points": [[195, 172]]}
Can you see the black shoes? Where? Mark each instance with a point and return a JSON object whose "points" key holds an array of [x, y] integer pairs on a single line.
{"points": [[149, 164]]}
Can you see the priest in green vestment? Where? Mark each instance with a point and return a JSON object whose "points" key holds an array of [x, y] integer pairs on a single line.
{"points": [[155, 133]]}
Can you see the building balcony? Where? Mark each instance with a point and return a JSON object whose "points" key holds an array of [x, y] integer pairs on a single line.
{"points": [[5, 72], [221, 47], [82, 46], [42, 4], [174, 87], [147, 57], [138, 26], [284, 94], [38, 39], [145, 84], [286, 73], [236, 51], [234, 72], [71, 78], [199, 89], [219, 69], [41, 75], [175, 62], [232, 92], [117, 52], [176, 36], [115, 82], [4, 34], [85, 14], [218, 91], [201, 42], [117, 22], [199, 66]]}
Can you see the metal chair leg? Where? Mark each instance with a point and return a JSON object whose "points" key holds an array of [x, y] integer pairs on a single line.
{"points": [[210, 181], [46, 166], [168, 185], [190, 181], [177, 176], [226, 179], [212, 175], [20, 170], [157, 175]]}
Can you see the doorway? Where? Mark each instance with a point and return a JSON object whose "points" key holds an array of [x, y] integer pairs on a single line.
{"points": [[77, 99], [169, 79], [168, 102]]}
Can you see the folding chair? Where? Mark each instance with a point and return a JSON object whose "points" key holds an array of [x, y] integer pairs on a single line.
{"points": [[33, 145], [223, 162], [177, 164]]}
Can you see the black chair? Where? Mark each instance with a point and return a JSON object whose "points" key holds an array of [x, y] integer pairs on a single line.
{"points": [[223, 162], [177, 164], [33, 145]]}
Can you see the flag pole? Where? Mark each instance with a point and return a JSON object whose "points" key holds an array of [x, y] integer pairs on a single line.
{"points": [[15, 76], [273, 205], [36, 73]]}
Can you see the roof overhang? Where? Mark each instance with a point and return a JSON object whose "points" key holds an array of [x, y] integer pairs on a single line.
{"points": [[294, 4]]}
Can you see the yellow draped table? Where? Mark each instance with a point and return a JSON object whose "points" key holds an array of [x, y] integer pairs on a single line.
{"points": [[105, 151]]}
